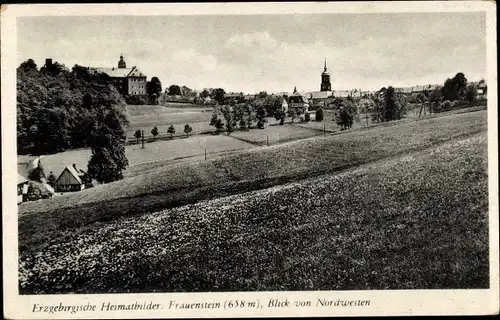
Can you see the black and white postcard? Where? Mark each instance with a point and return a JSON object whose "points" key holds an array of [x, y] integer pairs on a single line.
{"points": [[249, 160]]}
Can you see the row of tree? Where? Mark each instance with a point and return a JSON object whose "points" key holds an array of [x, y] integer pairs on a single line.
{"points": [[139, 134]]}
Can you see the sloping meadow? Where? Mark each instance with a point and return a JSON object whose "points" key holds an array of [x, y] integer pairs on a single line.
{"points": [[416, 222], [252, 169]]}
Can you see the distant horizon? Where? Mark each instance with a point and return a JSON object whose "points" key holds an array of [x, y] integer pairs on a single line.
{"points": [[272, 53]]}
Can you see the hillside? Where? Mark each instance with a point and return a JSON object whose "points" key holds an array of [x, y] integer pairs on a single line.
{"points": [[249, 170], [414, 222]]}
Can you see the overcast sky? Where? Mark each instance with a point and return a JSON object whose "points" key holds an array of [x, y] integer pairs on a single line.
{"points": [[268, 52]]}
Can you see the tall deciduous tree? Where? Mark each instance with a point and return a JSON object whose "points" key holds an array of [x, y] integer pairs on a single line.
{"points": [[154, 132], [154, 89], [108, 159], [471, 93]]}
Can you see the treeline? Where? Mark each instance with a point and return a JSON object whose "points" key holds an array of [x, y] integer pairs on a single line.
{"points": [[60, 109]]}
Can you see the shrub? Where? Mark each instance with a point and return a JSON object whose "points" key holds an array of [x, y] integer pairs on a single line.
{"points": [[137, 99], [307, 117], [37, 190], [445, 105]]}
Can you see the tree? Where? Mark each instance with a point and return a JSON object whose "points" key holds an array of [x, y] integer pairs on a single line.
{"points": [[261, 115], [346, 115], [154, 132], [218, 95], [174, 90], [262, 95], [454, 89], [37, 173], [319, 114], [205, 93], [392, 107], [137, 135], [153, 89], [108, 159], [471, 93], [228, 113], [51, 180], [292, 113], [280, 115], [187, 130], [171, 130], [219, 125]]}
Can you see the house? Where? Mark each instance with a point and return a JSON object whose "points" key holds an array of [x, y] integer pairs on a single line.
{"points": [[128, 81], [236, 97], [482, 89], [71, 179], [404, 90], [299, 102], [22, 188]]}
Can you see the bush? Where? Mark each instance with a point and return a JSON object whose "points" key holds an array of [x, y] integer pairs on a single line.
{"points": [[445, 105], [37, 191], [319, 115], [307, 117], [137, 100]]}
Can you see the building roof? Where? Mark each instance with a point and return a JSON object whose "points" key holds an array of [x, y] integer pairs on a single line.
{"points": [[21, 179], [121, 72], [320, 94], [404, 90], [427, 87], [75, 172]]}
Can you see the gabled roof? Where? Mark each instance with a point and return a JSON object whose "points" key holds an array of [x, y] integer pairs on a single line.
{"points": [[403, 90], [120, 72], [21, 179], [76, 173]]}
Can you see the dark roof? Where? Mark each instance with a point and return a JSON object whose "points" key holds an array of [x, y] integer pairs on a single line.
{"points": [[121, 72]]}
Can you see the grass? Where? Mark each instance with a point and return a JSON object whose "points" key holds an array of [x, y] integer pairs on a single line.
{"points": [[274, 134], [160, 151], [414, 222], [255, 168]]}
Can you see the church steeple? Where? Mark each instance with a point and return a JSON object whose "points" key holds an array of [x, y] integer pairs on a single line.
{"points": [[295, 89], [325, 79], [121, 63]]}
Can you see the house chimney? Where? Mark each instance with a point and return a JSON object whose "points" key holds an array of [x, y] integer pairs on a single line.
{"points": [[74, 166], [48, 62]]}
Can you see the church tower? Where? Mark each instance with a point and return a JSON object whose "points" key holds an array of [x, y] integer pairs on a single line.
{"points": [[325, 80], [121, 63]]}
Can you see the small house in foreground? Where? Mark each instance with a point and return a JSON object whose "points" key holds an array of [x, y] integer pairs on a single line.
{"points": [[22, 188], [71, 179]]}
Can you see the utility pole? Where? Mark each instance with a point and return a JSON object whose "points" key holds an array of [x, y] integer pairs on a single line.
{"points": [[267, 137], [142, 134], [205, 154], [324, 128]]}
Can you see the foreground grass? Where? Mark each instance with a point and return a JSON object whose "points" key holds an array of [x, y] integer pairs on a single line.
{"points": [[257, 168], [417, 222]]}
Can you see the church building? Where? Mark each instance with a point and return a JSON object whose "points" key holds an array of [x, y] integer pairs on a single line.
{"points": [[325, 80], [128, 81]]}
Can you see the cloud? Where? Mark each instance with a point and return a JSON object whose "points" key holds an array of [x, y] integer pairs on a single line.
{"points": [[195, 61]]}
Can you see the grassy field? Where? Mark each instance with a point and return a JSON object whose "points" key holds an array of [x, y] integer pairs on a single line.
{"points": [[255, 168], [274, 134], [413, 222], [145, 117], [172, 152]]}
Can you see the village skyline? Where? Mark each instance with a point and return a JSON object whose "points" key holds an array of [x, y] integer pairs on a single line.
{"points": [[269, 53]]}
